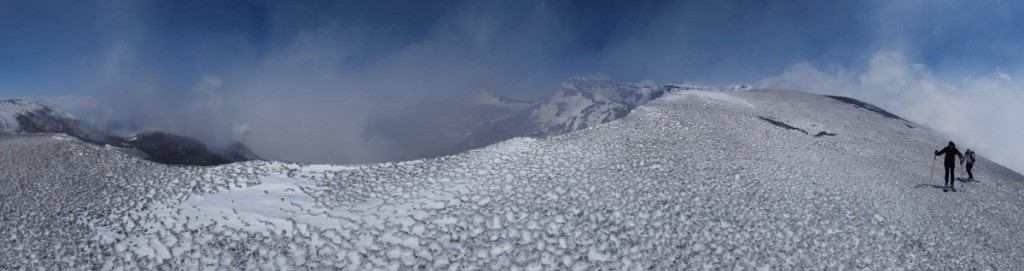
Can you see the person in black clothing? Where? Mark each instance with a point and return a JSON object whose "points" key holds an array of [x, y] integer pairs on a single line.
{"points": [[951, 154]]}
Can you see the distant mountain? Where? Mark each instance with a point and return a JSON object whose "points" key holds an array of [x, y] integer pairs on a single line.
{"points": [[578, 103], [30, 117]]}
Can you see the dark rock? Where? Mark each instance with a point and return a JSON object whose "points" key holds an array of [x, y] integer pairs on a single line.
{"points": [[823, 133], [783, 125], [174, 149]]}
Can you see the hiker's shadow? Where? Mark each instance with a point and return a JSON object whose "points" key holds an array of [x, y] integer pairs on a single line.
{"points": [[930, 185], [965, 180]]}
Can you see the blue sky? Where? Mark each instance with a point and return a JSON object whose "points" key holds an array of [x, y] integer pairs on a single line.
{"points": [[347, 68], [54, 47]]}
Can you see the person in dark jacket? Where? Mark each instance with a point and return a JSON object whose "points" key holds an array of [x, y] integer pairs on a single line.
{"points": [[969, 157], [951, 154]]}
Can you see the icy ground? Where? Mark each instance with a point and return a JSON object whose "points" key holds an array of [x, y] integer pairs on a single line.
{"points": [[694, 180]]}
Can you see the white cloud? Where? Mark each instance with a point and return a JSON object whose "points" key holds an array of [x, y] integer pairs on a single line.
{"points": [[982, 112], [1004, 76]]}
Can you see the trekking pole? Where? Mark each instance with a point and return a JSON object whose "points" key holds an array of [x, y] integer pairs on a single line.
{"points": [[931, 177]]}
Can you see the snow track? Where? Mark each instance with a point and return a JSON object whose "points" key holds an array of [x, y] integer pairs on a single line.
{"points": [[690, 181]]}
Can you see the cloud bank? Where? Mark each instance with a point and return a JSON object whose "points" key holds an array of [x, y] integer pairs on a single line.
{"points": [[323, 88]]}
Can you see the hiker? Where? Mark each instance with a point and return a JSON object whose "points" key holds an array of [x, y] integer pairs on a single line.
{"points": [[969, 157], [951, 153]]}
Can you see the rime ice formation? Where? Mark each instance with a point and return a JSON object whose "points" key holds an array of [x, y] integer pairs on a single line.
{"points": [[692, 180]]}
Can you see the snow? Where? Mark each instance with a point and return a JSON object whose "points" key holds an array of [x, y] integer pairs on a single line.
{"points": [[710, 95], [693, 180], [10, 109]]}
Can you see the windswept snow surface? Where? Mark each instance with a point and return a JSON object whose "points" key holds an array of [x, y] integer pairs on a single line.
{"points": [[692, 181]]}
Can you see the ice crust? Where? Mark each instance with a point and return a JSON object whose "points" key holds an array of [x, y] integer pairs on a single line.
{"points": [[690, 181]]}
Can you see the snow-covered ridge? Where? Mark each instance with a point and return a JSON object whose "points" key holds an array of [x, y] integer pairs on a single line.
{"points": [[24, 116], [729, 88], [708, 93], [10, 109], [693, 180]]}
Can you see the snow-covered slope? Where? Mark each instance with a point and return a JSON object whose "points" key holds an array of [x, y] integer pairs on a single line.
{"points": [[24, 116], [693, 180]]}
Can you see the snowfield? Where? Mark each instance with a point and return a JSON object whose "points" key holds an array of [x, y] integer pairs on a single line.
{"points": [[694, 180]]}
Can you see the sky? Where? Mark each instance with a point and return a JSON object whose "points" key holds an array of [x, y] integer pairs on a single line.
{"points": [[367, 81]]}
